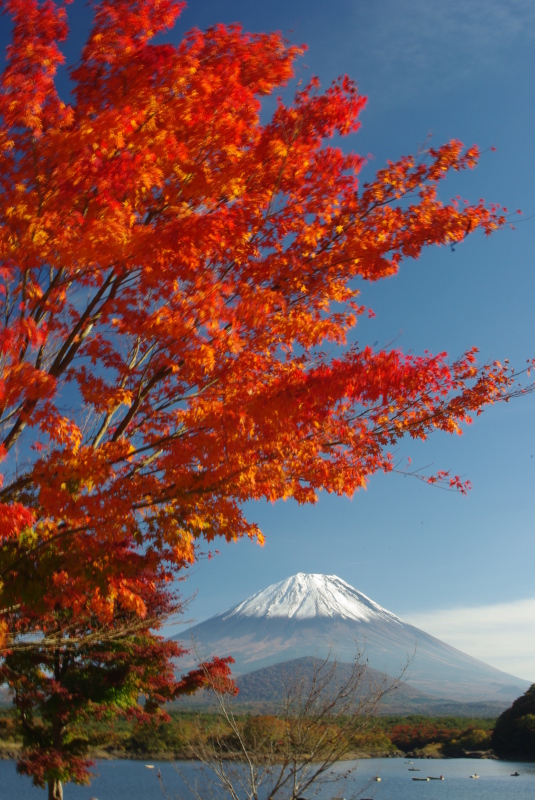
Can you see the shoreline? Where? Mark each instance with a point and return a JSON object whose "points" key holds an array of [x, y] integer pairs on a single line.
{"points": [[11, 753]]}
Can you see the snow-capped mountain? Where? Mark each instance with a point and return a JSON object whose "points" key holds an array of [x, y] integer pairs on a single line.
{"points": [[311, 615], [307, 596]]}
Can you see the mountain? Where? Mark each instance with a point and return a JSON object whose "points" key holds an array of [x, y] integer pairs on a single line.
{"points": [[264, 690], [310, 615]]}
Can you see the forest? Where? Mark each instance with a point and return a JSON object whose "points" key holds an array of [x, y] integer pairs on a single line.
{"points": [[178, 737]]}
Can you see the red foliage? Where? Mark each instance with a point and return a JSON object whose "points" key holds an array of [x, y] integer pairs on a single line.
{"points": [[413, 735]]}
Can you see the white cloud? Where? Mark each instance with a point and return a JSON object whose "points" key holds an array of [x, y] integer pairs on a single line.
{"points": [[502, 635]]}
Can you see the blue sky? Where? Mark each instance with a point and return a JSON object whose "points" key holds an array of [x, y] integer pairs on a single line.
{"points": [[460, 567]]}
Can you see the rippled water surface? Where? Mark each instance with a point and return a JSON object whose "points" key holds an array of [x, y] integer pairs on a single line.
{"points": [[132, 780]]}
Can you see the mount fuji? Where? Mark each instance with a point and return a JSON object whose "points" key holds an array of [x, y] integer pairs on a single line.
{"points": [[312, 615]]}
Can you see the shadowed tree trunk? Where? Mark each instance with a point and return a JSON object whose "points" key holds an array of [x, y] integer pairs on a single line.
{"points": [[55, 790], [55, 785]]}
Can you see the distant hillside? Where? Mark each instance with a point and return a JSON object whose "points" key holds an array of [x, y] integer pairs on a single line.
{"points": [[263, 691], [514, 734]]}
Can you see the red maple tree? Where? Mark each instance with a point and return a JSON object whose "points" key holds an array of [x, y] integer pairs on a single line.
{"points": [[172, 271]]}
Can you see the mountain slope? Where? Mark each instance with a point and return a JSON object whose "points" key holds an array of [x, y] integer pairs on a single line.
{"points": [[308, 615], [264, 690]]}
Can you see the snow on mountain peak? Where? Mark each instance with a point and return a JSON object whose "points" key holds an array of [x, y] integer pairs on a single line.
{"points": [[306, 596]]}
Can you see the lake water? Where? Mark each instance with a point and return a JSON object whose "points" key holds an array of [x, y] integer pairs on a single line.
{"points": [[132, 780]]}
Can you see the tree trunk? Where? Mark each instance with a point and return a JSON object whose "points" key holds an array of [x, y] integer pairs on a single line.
{"points": [[55, 790]]}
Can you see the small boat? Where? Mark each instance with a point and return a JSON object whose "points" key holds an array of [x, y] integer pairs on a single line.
{"points": [[414, 769], [149, 766], [377, 778], [475, 775], [515, 774], [421, 779], [433, 778], [409, 762]]}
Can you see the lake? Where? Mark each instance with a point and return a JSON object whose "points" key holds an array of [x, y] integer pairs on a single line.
{"points": [[132, 780]]}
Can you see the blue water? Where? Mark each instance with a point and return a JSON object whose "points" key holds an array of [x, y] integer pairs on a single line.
{"points": [[131, 780]]}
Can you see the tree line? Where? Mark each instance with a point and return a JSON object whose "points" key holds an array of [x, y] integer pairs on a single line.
{"points": [[175, 738]]}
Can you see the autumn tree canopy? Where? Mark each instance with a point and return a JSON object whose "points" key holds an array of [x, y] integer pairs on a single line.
{"points": [[178, 280], [172, 272]]}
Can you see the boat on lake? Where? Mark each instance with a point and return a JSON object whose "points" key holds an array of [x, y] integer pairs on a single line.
{"points": [[421, 779], [475, 775], [434, 778]]}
